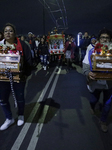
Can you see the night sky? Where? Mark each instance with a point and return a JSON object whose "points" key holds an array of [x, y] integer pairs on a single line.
{"points": [[80, 15]]}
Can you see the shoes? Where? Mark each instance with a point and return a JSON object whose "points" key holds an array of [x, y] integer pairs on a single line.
{"points": [[6, 124], [44, 67], [20, 120], [9, 122], [103, 126]]}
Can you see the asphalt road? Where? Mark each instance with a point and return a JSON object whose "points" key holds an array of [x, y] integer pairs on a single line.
{"points": [[57, 115]]}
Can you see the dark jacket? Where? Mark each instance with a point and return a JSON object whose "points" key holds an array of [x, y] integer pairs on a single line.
{"points": [[31, 42], [84, 43], [43, 49]]}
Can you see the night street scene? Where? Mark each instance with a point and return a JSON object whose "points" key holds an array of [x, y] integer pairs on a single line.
{"points": [[55, 75]]}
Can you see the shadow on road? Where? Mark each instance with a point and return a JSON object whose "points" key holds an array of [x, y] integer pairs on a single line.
{"points": [[45, 111]]}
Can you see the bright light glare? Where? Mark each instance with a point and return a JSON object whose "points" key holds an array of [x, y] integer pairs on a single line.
{"points": [[78, 40], [7, 58]]}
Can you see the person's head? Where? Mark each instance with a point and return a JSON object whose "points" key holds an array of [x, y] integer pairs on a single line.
{"points": [[43, 36], [93, 40], [22, 38], [1, 35], [104, 36], [42, 40], [86, 34], [9, 32], [30, 34], [71, 39]]}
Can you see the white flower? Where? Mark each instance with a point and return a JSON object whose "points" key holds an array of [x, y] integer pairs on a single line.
{"points": [[12, 46], [110, 46]]}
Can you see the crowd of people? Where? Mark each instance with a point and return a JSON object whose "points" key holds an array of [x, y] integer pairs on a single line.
{"points": [[40, 48], [35, 50]]}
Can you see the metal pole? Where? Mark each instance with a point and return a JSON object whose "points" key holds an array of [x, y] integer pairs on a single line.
{"points": [[44, 18]]}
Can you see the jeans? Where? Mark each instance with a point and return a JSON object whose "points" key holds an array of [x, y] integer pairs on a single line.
{"points": [[5, 90], [107, 96], [43, 59], [32, 53]]}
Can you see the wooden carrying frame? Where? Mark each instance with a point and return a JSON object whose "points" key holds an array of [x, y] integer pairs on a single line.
{"points": [[102, 66], [56, 43], [11, 62]]}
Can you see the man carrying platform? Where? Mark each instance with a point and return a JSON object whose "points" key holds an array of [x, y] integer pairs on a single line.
{"points": [[96, 86]]}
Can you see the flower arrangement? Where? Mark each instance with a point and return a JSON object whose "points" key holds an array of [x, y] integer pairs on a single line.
{"points": [[4, 49], [103, 48]]}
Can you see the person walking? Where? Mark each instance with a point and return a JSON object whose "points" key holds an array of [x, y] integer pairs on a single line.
{"points": [[69, 52], [43, 52], [85, 41], [10, 40], [96, 87]]}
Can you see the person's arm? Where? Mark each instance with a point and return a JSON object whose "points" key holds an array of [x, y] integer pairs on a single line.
{"points": [[86, 71], [86, 67]]}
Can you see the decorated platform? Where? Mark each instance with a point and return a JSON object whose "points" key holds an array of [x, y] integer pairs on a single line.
{"points": [[10, 62], [101, 61], [56, 43]]}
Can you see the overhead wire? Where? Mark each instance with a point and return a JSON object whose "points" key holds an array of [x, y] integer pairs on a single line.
{"points": [[61, 12], [66, 20], [63, 15], [48, 9]]}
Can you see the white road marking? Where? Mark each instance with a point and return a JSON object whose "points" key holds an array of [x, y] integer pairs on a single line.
{"points": [[54, 84], [26, 126], [35, 138]]}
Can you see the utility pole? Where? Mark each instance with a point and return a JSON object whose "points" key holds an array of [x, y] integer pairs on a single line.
{"points": [[44, 18]]}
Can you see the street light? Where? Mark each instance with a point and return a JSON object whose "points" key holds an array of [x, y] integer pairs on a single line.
{"points": [[79, 36]]}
